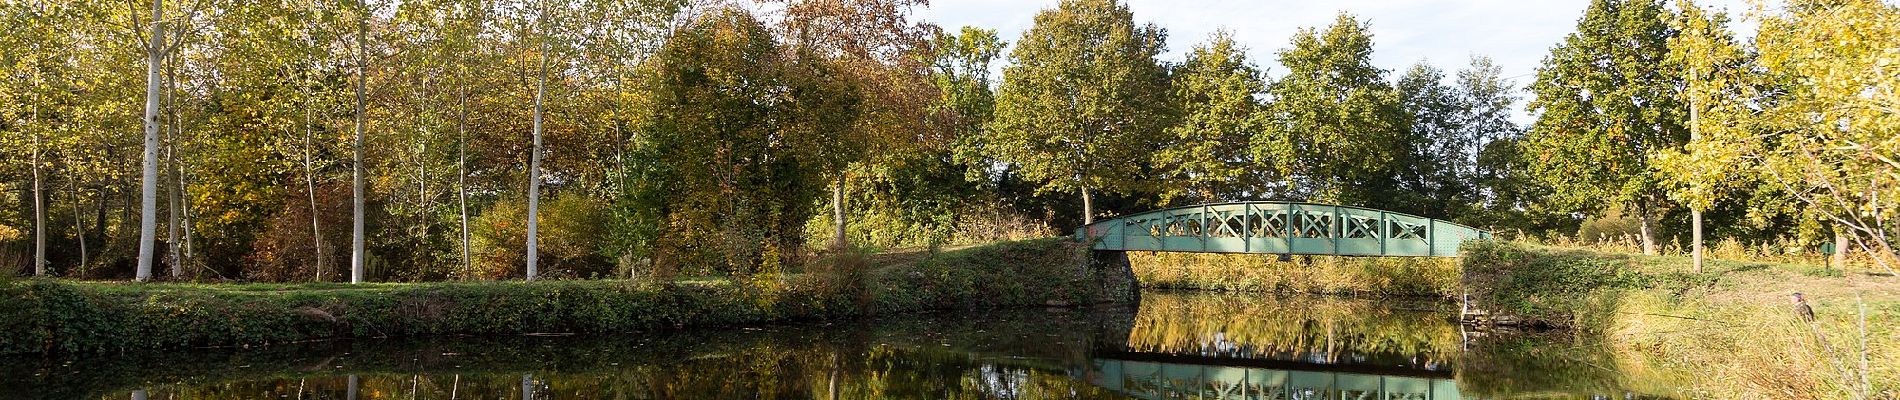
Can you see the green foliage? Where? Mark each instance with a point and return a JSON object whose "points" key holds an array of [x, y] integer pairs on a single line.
{"points": [[1206, 152], [1605, 98], [1083, 99], [737, 143], [1339, 127]]}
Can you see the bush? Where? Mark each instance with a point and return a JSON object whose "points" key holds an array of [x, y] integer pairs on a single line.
{"points": [[571, 227]]}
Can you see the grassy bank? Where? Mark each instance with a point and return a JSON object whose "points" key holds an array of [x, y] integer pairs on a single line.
{"points": [[86, 317], [1727, 332], [1384, 276]]}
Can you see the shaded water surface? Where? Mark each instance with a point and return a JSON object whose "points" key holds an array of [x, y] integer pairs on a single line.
{"points": [[1173, 346]]}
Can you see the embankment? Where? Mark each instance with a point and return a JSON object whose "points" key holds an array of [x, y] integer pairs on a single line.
{"points": [[50, 316], [1727, 332]]}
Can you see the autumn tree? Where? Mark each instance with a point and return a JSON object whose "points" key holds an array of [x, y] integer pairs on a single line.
{"points": [[874, 48], [730, 160], [1716, 89], [1605, 98], [1083, 100], [1837, 121]]}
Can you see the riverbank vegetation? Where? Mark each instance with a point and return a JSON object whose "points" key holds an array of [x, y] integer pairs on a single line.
{"points": [[1730, 331], [58, 316], [436, 140], [1362, 276]]}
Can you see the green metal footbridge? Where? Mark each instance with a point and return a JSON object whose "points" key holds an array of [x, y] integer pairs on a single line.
{"points": [[1280, 228]]}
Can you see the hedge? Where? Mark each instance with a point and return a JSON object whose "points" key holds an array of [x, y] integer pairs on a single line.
{"points": [[51, 316]]}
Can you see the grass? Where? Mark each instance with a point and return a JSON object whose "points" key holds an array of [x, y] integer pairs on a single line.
{"points": [[1726, 332]]}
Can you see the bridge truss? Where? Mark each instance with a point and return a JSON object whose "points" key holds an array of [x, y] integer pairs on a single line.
{"points": [[1281, 228]]}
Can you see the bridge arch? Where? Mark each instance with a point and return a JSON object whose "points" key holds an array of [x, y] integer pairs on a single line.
{"points": [[1280, 228]]}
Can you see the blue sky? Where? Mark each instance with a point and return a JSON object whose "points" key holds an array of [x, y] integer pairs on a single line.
{"points": [[1515, 33]]}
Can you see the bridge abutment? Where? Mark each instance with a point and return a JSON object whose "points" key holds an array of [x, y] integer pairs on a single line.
{"points": [[1115, 273]]}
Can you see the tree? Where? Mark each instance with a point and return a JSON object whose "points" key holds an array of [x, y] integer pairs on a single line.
{"points": [[731, 157], [1083, 98], [1339, 131], [1835, 116], [1714, 87], [1221, 111], [1605, 99], [534, 157], [875, 49], [358, 255], [1440, 147], [1487, 101]]}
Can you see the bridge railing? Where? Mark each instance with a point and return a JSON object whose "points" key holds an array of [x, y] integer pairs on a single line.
{"points": [[1281, 228]]}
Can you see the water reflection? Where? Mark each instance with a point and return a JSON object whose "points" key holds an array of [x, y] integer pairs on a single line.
{"points": [[1173, 346]]}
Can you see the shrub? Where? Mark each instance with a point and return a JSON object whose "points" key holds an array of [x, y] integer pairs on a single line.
{"points": [[570, 228]]}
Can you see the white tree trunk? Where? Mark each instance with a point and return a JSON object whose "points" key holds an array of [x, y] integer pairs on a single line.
{"points": [[39, 205], [1088, 207], [1839, 258], [534, 158], [79, 224], [309, 164], [357, 256], [461, 173], [171, 157], [148, 194], [1647, 227], [1696, 231], [837, 213], [310, 188]]}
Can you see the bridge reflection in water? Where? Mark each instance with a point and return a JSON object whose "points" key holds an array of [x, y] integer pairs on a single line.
{"points": [[1156, 380], [1252, 347]]}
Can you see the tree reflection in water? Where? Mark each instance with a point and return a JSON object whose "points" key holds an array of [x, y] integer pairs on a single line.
{"points": [[1173, 345]]}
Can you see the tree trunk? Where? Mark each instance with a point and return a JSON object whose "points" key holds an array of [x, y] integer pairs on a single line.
{"points": [[1088, 207], [148, 193], [357, 256], [309, 165], [461, 173], [79, 224], [534, 158], [310, 188], [1695, 212], [527, 386], [1696, 231], [1839, 259], [171, 157], [837, 214], [39, 205], [1648, 228]]}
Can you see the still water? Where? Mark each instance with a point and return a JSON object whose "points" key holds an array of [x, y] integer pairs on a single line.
{"points": [[1172, 346]]}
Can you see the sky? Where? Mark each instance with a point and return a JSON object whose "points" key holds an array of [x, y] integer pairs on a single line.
{"points": [[1516, 34]]}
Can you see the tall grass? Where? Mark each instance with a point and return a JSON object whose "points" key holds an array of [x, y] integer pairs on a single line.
{"points": [[1729, 332], [1394, 276]]}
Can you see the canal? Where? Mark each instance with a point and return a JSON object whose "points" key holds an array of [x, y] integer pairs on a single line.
{"points": [[1174, 345]]}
